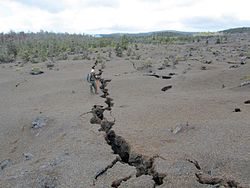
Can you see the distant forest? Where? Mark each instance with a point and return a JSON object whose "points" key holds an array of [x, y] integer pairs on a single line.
{"points": [[44, 46]]}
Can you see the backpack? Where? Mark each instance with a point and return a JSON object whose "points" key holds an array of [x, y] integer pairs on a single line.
{"points": [[89, 77]]}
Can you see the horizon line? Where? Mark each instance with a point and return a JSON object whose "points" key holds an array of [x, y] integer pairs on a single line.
{"points": [[118, 32]]}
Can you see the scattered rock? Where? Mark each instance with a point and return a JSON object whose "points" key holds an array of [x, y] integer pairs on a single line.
{"points": [[247, 102], [217, 180], [166, 88], [155, 75], [245, 83], [50, 65], [158, 76], [234, 66], [39, 122], [36, 71], [166, 77], [5, 163], [237, 110], [208, 62], [161, 68], [203, 68], [27, 156], [172, 74]]}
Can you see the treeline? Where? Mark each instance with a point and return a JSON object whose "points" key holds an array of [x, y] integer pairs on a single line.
{"points": [[39, 47], [237, 30], [43, 46]]}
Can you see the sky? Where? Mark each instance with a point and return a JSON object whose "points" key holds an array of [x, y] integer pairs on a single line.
{"points": [[122, 16]]}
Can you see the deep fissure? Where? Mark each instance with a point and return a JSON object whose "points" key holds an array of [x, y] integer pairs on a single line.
{"points": [[144, 165]]}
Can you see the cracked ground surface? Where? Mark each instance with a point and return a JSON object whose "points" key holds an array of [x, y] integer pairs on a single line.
{"points": [[69, 151]]}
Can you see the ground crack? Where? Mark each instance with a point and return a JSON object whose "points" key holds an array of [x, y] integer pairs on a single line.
{"points": [[218, 181], [144, 165]]}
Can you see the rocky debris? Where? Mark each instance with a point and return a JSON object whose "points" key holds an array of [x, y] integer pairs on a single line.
{"points": [[158, 76], [161, 68], [106, 125], [95, 120], [39, 122], [144, 181], [166, 77], [27, 156], [97, 112], [145, 166], [247, 82], [181, 128], [208, 62], [36, 71], [109, 102], [166, 88], [237, 110], [5, 163], [232, 62], [247, 102], [104, 83], [105, 93], [203, 68], [172, 74], [234, 66], [142, 163], [50, 65], [218, 181]]}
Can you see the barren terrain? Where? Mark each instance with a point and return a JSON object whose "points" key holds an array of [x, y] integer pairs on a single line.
{"points": [[194, 120]]}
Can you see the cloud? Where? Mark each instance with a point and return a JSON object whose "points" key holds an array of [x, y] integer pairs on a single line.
{"points": [[97, 16], [101, 3], [47, 5]]}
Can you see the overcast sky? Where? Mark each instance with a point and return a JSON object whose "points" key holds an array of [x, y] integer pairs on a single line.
{"points": [[109, 16]]}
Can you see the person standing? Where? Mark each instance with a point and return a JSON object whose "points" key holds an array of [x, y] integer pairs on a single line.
{"points": [[98, 77], [92, 81]]}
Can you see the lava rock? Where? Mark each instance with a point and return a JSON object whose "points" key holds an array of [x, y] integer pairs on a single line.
{"points": [[237, 110], [5, 163], [39, 122], [166, 88], [247, 102], [27, 156]]}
